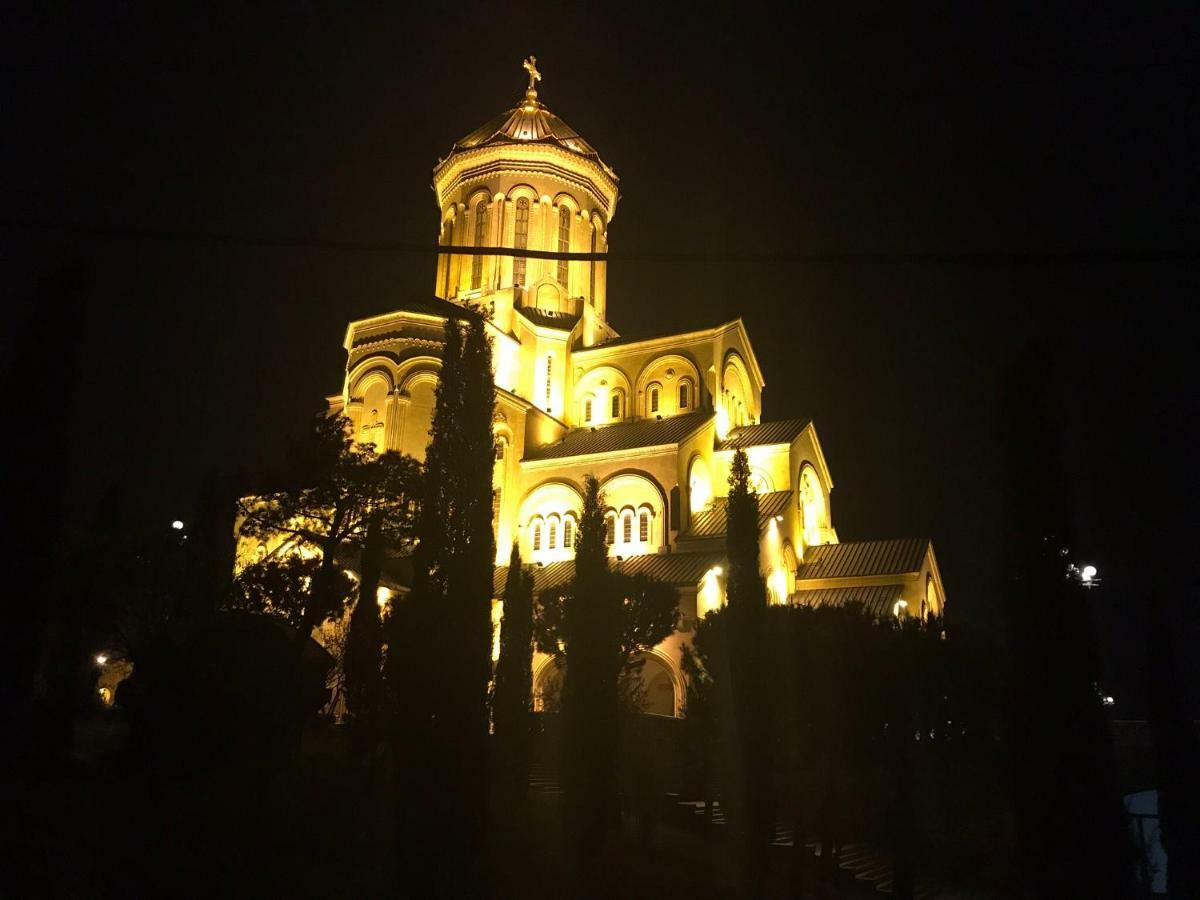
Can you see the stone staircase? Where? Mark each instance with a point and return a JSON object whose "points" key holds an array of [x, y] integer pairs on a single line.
{"points": [[863, 862]]}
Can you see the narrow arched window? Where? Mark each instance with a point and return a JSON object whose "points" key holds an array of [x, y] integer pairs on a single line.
{"points": [[685, 394], [495, 507], [627, 528], [520, 239], [537, 535], [480, 237], [654, 399], [644, 526], [616, 404], [552, 533], [549, 377], [587, 409], [501, 448], [568, 533], [610, 529], [592, 270], [564, 242]]}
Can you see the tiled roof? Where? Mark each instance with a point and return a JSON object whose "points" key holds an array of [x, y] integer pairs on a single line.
{"points": [[857, 559], [679, 569], [712, 521], [622, 436], [547, 318], [782, 432], [878, 600]]}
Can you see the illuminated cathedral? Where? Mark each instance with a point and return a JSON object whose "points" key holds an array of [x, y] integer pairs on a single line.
{"points": [[655, 419]]}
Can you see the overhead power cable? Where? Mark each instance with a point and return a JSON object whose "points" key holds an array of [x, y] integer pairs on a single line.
{"points": [[1015, 257]]}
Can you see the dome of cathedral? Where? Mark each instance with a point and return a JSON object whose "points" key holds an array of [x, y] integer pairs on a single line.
{"points": [[530, 122]]}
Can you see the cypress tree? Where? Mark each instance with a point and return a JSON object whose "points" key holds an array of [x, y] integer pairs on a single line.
{"points": [[512, 702], [743, 720], [451, 598]]}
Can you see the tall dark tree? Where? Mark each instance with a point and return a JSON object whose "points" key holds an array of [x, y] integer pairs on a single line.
{"points": [[1059, 740], [512, 698], [744, 722], [591, 711], [363, 661], [451, 604]]}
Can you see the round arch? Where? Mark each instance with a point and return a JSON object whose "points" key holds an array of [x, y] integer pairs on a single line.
{"points": [[666, 369], [554, 497], [662, 684], [699, 483], [812, 505], [631, 490]]}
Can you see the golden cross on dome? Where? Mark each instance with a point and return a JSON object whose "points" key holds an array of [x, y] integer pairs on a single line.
{"points": [[534, 75]]}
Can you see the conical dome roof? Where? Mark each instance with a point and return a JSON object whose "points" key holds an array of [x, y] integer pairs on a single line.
{"points": [[530, 122]]}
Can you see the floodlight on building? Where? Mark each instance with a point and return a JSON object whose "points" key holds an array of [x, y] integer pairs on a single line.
{"points": [[779, 518], [717, 570], [899, 608], [177, 525]]}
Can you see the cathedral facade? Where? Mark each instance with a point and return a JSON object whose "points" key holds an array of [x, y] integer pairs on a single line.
{"points": [[656, 420]]}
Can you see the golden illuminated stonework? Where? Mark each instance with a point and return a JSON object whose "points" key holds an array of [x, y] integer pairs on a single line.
{"points": [[656, 420]]}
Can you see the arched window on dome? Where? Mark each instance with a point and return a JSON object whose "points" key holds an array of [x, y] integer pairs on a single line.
{"points": [[481, 210], [520, 240], [564, 242]]}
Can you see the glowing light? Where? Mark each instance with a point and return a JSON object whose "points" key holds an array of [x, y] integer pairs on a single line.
{"points": [[1088, 573], [106, 696], [717, 570], [722, 422], [101, 659], [1107, 700], [383, 596], [177, 525], [899, 608]]}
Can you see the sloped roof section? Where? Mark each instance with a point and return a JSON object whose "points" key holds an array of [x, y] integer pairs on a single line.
{"points": [[713, 521], [858, 559], [547, 318], [781, 432], [678, 569], [878, 600], [622, 436], [531, 121]]}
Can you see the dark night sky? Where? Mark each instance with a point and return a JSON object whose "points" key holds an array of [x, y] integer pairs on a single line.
{"points": [[938, 130]]}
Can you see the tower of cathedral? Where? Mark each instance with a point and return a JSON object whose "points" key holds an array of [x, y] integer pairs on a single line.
{"points": [[657, 419]]}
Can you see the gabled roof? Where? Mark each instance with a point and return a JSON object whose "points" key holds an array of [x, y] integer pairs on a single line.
{"points": [[549, 318], [858, 559], [586, 441], [879, 599], [781, 432], [529, 122], [713, 521], [678, 569]]}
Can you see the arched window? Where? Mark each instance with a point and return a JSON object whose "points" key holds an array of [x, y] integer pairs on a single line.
{"points": [[552, 533], [587, 409], [644, 526], [549, 377], [568, 533], [480, 235], [520, 239], [610, 528], [627, 528], [495, 507], [685, 394], [501, 448], [592, 271], [654, 398], [537, 535], [617, 398], [564, 242]]}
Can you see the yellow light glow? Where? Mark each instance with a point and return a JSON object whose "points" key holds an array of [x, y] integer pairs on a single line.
{"points": [[711, 594], [101, 659], [722, 422], [106, 696], [900, 608], [383, 596], [778, 584], [497, 618]]}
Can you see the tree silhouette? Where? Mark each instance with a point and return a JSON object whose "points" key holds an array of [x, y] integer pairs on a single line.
{"points": [[512, 699], [445, 701]]}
